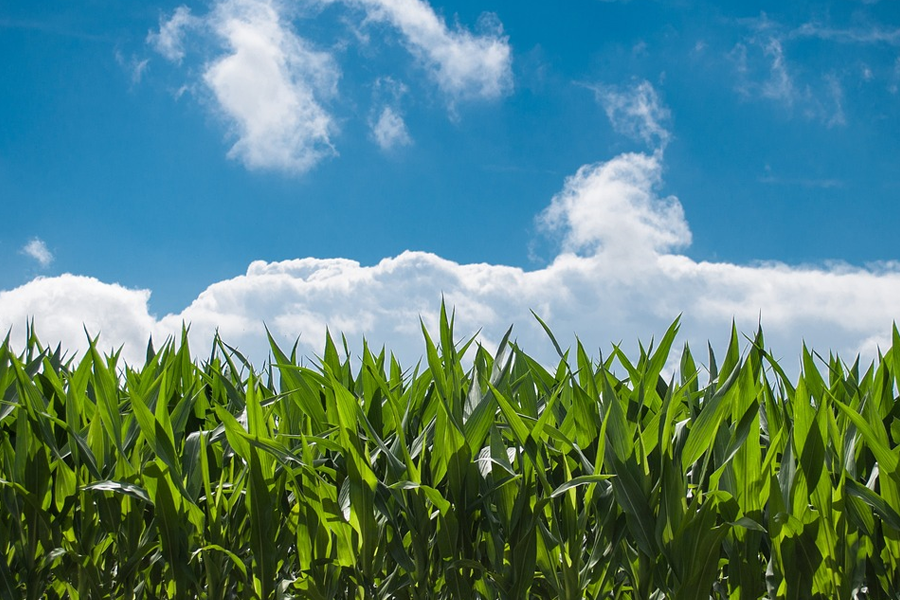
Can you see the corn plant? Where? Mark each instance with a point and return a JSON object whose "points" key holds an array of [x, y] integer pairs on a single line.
{"points": [[468, 475]]}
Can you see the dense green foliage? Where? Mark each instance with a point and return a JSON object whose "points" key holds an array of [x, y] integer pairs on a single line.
{"points": [[357, 479]]}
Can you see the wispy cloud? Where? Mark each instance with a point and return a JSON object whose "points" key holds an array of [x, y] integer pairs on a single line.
{"points": [[802, 182], [37, 249], [895, 77], [636, 111], [765, 72], [134, 66], [52, 27], [463, 64], [836, 92], [389, 130], [169, 39], [874, 34], [775, 82], [780, 85]]}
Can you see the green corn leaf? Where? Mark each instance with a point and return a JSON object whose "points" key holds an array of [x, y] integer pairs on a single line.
{"points": [[119, 487], [878, 504], [520, 431], [577, 481], [260, 509], [875, 437], [549, 335]]}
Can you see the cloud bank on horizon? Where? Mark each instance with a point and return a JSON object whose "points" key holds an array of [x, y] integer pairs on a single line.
{"points": [[618, 274], [621, 270]]}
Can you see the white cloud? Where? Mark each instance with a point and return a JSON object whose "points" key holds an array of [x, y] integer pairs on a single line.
{"points": [[763, 71], [272, 88], [636, 112], [464, 65], [629, 282], [389, 130], [780, 85], [37, 249], [169, 40], [137, 71], [895, 77], [66, 305], [611, 209], [268, 87], [265, 81], [866, 73], [837, 96], [857, 35], [134, 66], [762, 65], [619, 276]]}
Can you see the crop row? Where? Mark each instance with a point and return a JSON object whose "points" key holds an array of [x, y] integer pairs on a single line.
{"points": [[352, 477]]}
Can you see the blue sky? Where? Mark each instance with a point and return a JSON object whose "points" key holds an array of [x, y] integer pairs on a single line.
{"points": [[153, 154]]}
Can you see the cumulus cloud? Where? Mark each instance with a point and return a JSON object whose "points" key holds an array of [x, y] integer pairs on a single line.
{"points": [[267, 83], [627, 281], [463, 64], [611, 209], [619, 275], [37, 249], [636, 111], [68, 304], [169, 39], [389, 130], [268, 87], [273, 88]]}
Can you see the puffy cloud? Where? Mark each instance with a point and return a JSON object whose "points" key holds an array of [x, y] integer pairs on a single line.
{"points": [[65, 306], [272, 88], [611, 208], [268, 87], [628, 282], [464, 65], [390, 130], [265, 81], [169, 40], [37, 249], [618, 276], [636, 112]]}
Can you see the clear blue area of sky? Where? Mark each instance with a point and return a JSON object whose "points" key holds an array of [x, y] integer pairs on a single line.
{"points": [[127, 181]]}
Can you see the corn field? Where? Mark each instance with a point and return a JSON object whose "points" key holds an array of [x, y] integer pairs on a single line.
{"points": [[465, 476]]}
